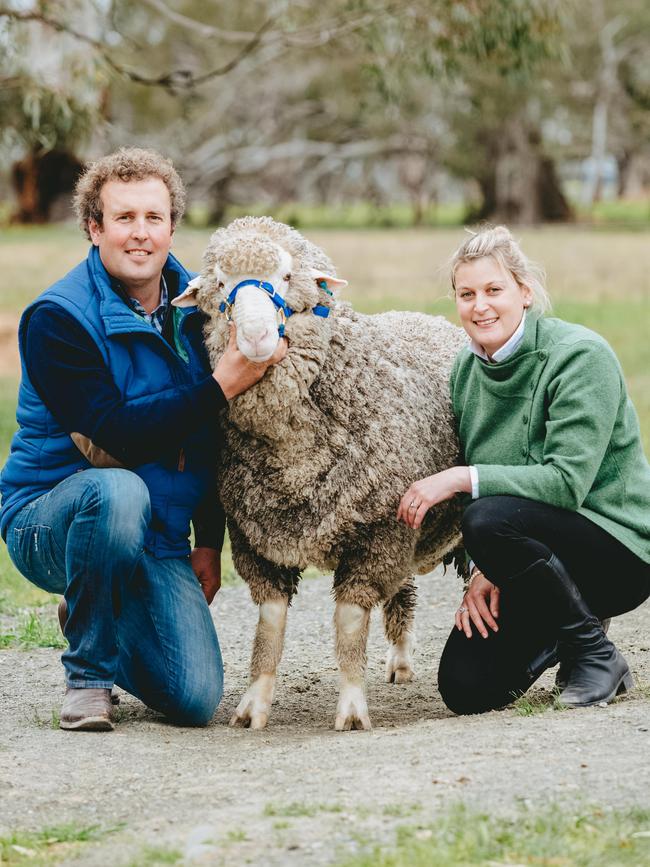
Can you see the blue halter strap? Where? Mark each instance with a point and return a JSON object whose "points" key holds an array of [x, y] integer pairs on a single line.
{"points": [[279, 302]]}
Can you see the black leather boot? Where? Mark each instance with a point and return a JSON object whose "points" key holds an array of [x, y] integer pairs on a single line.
{"points": [[598, 672], [546, 659], [564, 658]]}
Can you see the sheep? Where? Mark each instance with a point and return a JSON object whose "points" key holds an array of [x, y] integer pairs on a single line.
{"points": [[318, 453]]}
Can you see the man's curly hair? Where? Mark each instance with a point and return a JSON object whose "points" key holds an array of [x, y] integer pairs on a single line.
{"points": [[126, 164]]}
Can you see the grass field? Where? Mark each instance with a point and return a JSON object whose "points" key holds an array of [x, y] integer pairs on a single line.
{"points": [[600, 278]]}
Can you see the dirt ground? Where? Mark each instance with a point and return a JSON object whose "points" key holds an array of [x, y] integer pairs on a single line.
{"points": [[298, 793]]}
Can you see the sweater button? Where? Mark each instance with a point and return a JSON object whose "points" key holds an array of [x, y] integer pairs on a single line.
{"points": [[525, 419], [543, 355], [524, 452]]}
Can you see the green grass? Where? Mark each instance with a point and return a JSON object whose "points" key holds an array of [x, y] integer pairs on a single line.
{"points": [[618, 212], [50, 846], [50, 722], [156, 856], [354, 215], [550, 836], [298, 809], [34, 630], [538, 701]]}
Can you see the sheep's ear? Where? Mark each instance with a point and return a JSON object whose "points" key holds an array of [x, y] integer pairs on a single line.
{"points": [[186, 298], [326, 282]]}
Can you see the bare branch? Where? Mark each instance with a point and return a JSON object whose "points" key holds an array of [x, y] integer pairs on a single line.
{"points": [[309, 37], [205, 31], [172, 81], [249, 159]]}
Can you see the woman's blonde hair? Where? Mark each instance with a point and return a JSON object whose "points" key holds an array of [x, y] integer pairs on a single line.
{"points": [[498, 242]]}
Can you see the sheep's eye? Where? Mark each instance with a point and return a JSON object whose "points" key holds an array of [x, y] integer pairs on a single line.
{"points": [[287, 277], [219, 285]]}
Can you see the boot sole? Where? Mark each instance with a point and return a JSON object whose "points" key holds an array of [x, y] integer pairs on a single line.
{"points": [[88, 724], [625, 684]]}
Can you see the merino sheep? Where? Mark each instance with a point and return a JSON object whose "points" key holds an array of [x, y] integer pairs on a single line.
{"points": [[318, 453]]}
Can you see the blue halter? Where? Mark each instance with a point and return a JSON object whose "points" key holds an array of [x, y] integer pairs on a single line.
{"points": [[279, 302]]}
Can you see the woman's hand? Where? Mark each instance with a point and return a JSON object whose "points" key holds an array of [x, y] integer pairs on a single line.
{"points": [[434, 489], [480, 604], [235, 373]]}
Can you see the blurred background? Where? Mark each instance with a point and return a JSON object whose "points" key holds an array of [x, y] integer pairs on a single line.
{"points": [[337, 112], [378, 127]]}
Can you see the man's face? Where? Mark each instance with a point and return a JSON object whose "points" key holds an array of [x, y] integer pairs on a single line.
{"points": [[136, 232]]}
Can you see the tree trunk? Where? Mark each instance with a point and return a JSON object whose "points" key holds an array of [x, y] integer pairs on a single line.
{"points": [[39, 179], [521, 184]]}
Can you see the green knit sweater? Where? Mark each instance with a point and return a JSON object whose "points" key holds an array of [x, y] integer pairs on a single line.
{"points": [[554, 423]]}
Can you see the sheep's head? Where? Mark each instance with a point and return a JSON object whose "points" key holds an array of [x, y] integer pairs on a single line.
{"points": [[295, 273]]}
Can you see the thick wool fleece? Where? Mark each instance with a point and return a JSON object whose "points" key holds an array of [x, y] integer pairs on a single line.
{"points": [[319, 452], [554, 423]]}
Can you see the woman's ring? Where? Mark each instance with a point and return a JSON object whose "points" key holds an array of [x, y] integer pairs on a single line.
{"points": [[462, 609], [412, 505]]}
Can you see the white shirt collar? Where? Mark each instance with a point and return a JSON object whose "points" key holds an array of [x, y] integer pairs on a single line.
{"points": [[504, 351]]}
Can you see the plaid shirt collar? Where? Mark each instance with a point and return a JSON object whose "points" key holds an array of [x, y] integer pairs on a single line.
{"points": [[156, 317]]}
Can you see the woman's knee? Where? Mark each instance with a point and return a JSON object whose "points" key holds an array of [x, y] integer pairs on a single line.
{"points": [[483, 521], [467, 680]]}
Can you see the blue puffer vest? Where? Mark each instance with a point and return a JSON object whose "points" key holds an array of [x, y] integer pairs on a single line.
{"points": [[143, 365]]}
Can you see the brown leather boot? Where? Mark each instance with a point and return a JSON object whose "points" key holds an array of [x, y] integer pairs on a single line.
{"points": [[62, 612], [87, 710]]}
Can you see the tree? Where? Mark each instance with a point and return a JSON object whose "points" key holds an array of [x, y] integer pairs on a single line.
{"points": [[48, 107], [275, 99]]}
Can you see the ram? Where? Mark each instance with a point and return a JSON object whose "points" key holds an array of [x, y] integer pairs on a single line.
{"points": [[318, 453]]}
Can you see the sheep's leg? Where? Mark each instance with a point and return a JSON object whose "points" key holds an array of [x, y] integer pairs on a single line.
{"points": [[351, 622], [272, 587], [254, 708], [398, 626]]}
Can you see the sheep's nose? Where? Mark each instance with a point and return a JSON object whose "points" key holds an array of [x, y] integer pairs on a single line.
{"points": [[255, 335]]}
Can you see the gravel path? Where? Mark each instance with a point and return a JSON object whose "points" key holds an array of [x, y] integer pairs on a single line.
{"points": [[298, 793]]}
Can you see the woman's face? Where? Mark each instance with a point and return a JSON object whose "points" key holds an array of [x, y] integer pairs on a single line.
{"points": [[490, 302]]}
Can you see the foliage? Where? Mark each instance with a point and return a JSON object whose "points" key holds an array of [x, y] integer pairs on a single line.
{"points": [[343, 100], [44, 103]]}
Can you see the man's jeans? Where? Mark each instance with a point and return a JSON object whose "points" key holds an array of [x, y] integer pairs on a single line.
{"points": [[133, 620]]}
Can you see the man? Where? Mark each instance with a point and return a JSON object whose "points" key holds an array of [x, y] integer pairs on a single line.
{"points": [[118, 418]]}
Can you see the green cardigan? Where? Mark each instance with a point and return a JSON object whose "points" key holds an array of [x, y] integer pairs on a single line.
{"points": [[554, 423]]}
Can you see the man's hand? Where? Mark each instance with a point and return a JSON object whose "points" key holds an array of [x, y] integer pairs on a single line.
{"points": [[206, 563], [480, 604], [427, 492], [235, 373]]}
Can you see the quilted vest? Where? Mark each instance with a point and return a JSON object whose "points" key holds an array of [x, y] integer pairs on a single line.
{"points": [[143, 366]]}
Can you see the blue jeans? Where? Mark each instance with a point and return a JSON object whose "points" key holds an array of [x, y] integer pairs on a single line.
{"points": [[133, 620]]}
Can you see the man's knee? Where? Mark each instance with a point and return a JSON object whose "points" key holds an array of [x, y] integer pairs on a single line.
{"points": [[194, 704], [119, 500]]}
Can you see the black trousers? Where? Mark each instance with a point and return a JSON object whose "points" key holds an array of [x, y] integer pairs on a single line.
{"points": [[504, 536]]}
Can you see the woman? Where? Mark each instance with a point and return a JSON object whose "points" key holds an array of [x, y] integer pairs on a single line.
{"points": [[558, 527]]}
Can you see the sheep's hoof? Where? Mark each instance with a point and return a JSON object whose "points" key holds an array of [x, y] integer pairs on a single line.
{"points": [[254, 709], [352, 711], [248, 720], [352, 723], [400, 674], [399, 662]]}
